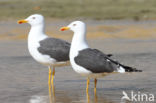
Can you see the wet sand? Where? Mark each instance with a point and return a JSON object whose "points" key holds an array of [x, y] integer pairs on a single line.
{"points": [[126, 29], [23, 80]]}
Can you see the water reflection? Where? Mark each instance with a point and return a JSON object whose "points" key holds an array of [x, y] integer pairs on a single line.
{"points": [[88, 97], [63, 97], [38, 99], [95, 97], [71, 96], [52, 98], [45, 99]]}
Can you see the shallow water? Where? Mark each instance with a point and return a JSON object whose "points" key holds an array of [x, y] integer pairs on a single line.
{"points": [[23, 80]]}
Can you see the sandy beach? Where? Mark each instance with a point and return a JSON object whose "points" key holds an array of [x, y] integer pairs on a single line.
{"points": [[23, 80]]}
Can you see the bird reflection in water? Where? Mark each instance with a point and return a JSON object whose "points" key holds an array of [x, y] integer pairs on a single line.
{"points": [[88, 98], [52, 98]]}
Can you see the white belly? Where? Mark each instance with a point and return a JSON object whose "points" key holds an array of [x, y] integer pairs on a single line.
{"points": [[44, 59], [33, 46], [79, 69]]}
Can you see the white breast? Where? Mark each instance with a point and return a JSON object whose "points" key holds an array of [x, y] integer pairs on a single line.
{"points": [[33, 44], [73, 53]]}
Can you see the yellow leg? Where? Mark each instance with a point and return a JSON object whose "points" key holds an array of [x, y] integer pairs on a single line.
{"points": [[87, 85], [88, 98], [49, 76], [49, 82], [53, 74], [95, 82], [50, 94], [53, 91], [95, 96]]}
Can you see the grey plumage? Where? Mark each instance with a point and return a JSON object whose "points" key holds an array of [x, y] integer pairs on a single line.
{"points": [[55, 48], [94, 61], [97, 62]]}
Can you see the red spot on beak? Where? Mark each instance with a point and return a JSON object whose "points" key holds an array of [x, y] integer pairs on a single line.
{"points": [[62, 29], [20, 22]]}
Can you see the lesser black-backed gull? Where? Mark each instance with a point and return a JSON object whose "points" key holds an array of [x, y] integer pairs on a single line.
{"points": [[91, 62], [49, 51]]}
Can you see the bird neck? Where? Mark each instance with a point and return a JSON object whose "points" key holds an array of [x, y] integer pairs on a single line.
{"points": [[37, 31], [79, 41]]}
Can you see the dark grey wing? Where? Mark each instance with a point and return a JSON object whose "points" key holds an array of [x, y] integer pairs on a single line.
{"points": [[55, 48], [99, 52], [127, 68], [95, 61]]}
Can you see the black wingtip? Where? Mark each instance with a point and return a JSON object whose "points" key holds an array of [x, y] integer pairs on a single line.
{"points": [[134, 70], [131, 69], [109, 55]]}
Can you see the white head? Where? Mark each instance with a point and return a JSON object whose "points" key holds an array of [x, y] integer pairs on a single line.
{"points": [[33, 20], [76, 26]]}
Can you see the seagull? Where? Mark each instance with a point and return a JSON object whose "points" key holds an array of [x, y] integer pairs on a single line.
{"points": [[49, 51], [89, 62]]}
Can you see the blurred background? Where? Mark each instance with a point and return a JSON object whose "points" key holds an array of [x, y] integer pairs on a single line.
{"points": [[105, 18], [88, 9]]}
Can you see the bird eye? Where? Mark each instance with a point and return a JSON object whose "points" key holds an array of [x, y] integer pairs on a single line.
{"points": [[33, 18], [74, 24]]}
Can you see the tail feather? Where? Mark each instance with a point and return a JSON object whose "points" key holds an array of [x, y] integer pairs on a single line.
{"points": [[130, 69], [127, 68]]}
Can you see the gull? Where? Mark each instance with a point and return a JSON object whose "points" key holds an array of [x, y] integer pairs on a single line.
{"points": [[49, 51], [89, 62]]}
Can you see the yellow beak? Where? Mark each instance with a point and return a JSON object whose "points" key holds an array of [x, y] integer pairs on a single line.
{"points": [[64, 28], [22, 21]]}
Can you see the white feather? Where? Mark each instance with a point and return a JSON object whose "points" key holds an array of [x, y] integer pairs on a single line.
{"points": [[120, 69]]}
